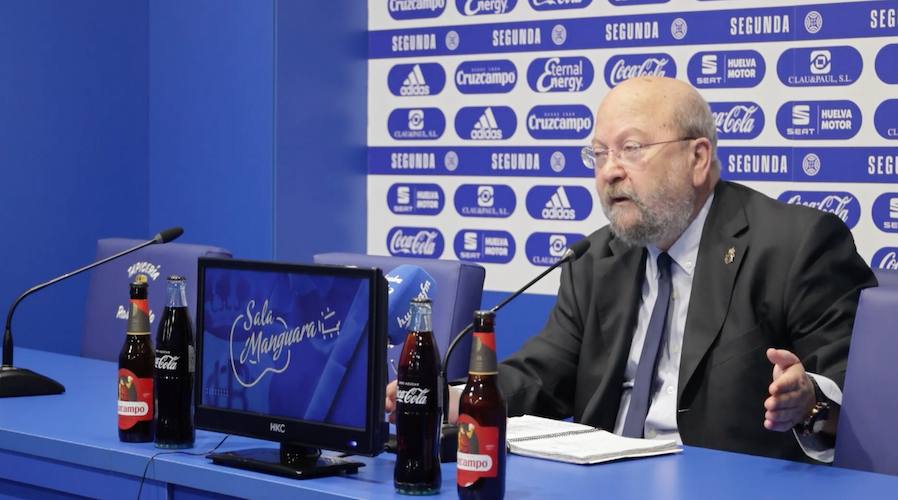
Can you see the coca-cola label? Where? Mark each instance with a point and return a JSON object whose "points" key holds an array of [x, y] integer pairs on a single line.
{"points": [[478, 451], [839, 203], [166, 362], [408, 393], [624, 67], [135, 399], [737, 120]]}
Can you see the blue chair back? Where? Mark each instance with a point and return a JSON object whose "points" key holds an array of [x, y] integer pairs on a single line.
{"points": [[107, 296], [458, 291], [867, 435]]}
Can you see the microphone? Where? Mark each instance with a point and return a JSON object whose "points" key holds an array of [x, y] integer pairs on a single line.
{"points": [[15, 382], [449, 432]]}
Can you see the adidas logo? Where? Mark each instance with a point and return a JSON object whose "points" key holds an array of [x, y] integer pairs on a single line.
{"points": [[414, 83], [486, 127], [559, 206]]}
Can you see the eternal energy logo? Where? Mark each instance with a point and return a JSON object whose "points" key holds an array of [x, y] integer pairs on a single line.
{"points": [[407, 124], [486, 77], [415, 199], [560, 74], [479, 123], [559, 202], [726, 69], [554, 122], [820, 66], [482, 7], [415, 242], [818, 120], [839, 203], [737, 120], [485, 200], [624, 67], [495, 247], [416, 79]]}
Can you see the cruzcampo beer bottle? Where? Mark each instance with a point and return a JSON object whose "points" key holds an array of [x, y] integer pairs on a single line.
{"points": [[481, 419], [135, 371], [174, 370], [418, 403]]}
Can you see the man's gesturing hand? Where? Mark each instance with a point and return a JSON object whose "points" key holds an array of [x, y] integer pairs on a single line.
{"points": [[791, 392]]}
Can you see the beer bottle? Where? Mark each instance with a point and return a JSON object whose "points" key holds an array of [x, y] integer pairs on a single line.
{"points": [[481, 419], [174, 370], [418, 405], [135, 371]]}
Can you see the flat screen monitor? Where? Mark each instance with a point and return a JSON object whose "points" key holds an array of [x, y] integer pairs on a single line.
{"points": [[295, 354]]}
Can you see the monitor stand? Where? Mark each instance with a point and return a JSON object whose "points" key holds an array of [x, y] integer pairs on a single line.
{"points": [[292, 460]]}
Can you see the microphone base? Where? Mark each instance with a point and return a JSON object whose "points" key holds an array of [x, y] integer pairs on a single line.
{"points": [[16, 382], [448, 443]]}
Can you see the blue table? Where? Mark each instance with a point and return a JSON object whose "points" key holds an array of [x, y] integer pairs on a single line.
{"points": [[69, 443]]}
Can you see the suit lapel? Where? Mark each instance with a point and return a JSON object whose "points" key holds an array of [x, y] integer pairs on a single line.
{"points": [[619, 278], [723, 247]]}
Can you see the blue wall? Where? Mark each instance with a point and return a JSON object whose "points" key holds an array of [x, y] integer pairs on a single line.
{"points": [[73, 149]]}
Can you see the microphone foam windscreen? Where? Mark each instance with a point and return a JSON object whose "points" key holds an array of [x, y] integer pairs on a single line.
{"points": [[405, 282]]}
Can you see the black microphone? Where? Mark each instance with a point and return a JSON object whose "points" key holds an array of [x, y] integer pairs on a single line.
{"points": [[15, 382], [449, 432]]}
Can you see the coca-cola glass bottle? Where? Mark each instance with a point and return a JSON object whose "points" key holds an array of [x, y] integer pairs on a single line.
{"points": [[418, 405], [135, 370], [174, 370]]}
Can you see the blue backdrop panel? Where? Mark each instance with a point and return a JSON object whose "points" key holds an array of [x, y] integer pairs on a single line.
{"points": [[73, 148]]}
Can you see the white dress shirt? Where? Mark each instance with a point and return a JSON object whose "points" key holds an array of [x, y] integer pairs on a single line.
{"points": [[661, 420]]}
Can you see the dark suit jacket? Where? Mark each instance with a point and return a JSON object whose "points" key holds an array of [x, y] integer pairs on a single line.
{"points": [[794, 284]]}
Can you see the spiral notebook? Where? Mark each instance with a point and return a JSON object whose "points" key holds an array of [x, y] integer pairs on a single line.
{"points": [[578, 443]]}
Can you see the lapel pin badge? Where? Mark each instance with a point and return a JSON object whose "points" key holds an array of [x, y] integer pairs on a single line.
{"points": [[729, 256]]}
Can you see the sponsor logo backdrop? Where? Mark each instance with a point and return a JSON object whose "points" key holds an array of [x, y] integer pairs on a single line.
{"points": [[477, 111]]}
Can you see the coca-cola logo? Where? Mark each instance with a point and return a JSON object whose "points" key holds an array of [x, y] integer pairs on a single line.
{"points": [[624, 67], [841, 204], [737, 120], [167, 362], [413, 396], [885, 258], [413, 241]]}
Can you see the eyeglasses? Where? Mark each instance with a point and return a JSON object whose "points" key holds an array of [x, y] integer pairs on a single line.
{"points": [[630, 155]]}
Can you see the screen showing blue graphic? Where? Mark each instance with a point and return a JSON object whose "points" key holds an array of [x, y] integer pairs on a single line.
{"points": [[286, 344]]}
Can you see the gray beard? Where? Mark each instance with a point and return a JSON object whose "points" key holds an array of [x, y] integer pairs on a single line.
{"points": [[669, 220]]}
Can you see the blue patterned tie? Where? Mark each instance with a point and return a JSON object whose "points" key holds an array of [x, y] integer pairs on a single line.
{"points": [[634, 425]]}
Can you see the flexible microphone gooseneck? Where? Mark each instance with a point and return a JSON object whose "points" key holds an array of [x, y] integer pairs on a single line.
{"points": [[449, 432], [16, 382]]}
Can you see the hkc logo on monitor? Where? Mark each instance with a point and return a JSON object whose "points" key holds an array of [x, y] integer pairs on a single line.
{"points": [[415, 199], [624, 67], [415, 9], [839, 203], [887, 63], [486, 77], [559, 202], [415, 242], [410, 124], [482, 7], [485, 200], [818, 120], [479, 123], [416, 79], [726, 69], [560, 74], [559, 4], [819, 67], [885, 258], [737, 120], [886, 119], [478, 245], [885, 212], [554, 122], [545, 249]]}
